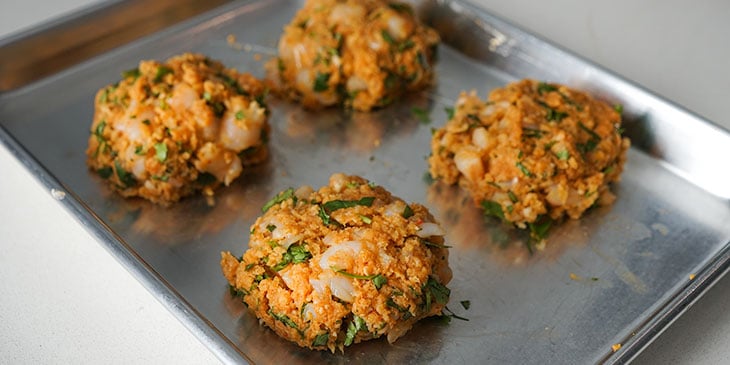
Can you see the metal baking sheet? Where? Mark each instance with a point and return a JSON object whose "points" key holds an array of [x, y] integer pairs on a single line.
{"points": [[617, 276]]}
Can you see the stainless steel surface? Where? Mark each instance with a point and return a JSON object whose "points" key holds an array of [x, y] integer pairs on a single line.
{"points": [[630, 263]]}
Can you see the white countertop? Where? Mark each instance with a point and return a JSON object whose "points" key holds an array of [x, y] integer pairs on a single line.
{"points": [[64, 299]]}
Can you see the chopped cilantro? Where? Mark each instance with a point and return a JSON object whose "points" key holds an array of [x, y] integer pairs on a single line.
{"points": [[545, 88], [524, 169], [133, 73], [270, 227], [321, 82], [405, 45], [391, 303], [161, 72], [237, 292], [387, 37], [333, 205], [105, 172], [124, 176], [407, 212], [492, 208], [282, 196], [139, 150], [618, 108], [593, 134], [563, 155], [378, 279], [539, 229], [295, 254], [466, 304], [356, 325], [554, 115], [161, 151], [512, 196], [321, 339], [240, 115], [283, 318]]}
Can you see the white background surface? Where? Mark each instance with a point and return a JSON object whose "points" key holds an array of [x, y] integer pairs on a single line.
{"points": [[64, 299]]}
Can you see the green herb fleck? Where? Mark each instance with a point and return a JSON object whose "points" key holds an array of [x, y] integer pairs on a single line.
{"points": [[240, 115], [405, 45], [133, 73], [524, 169], [421, 115], [161, 151], [593, 134], [512, 196], [124, 176], [139, 150], [378, 279], [563, 155], [282, 196], [492, 208], [407, 212], [391, 303], [356, 325], [161, 72], [237, 292], [333, 205], [105, 172], [366, 219], [554, 115], [618, 108], [466, 304], [321, 82], [545, 88], [207, 96], [387, 37], [539, 229], [270, 227], [321, 339], [283, 318], [295, 254]]}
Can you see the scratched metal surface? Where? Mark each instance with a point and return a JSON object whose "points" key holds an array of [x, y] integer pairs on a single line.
{"points": [[616, 276]]}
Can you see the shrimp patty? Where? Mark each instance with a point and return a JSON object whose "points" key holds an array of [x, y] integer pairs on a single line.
{"points": [[169, 129], [348, 263], [360, 53], [532, 149]]}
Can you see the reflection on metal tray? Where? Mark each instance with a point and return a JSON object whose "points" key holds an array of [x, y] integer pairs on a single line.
{"points": [[619, 275]]}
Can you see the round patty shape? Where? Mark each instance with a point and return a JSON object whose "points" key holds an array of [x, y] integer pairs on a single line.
{"points": [[348, 263], [360, 53], [169, 129], [532, 149]]}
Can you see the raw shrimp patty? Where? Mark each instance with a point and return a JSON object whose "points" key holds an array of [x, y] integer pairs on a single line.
{"points": [[344, 264], [531, 150], [168, 129], [361, 53]]}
